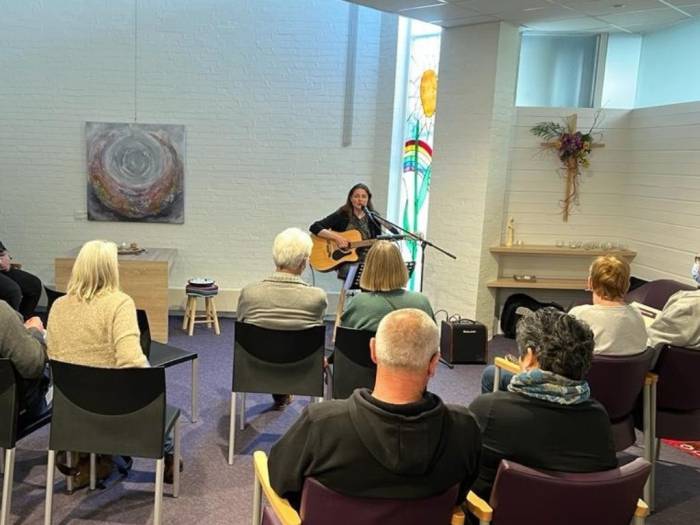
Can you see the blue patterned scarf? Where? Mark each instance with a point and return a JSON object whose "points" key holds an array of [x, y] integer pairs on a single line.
{"points": [[551, 387]]}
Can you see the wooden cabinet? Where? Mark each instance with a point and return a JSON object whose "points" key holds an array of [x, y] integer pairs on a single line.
{"points": [[554, 268]]}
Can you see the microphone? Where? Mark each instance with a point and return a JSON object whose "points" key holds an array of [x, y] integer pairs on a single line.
{"points": [[370, 214], [374, 215]]}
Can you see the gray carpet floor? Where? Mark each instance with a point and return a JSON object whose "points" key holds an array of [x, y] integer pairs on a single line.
{"points": [[213, 492]]}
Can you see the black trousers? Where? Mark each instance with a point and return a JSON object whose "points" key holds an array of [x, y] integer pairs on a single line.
{"points": [[21, 290]]}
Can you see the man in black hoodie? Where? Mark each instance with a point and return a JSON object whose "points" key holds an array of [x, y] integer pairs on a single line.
{"points": [[396, 441]]}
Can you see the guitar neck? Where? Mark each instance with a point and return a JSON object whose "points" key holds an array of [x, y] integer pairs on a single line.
{"points": [[362, 244]]}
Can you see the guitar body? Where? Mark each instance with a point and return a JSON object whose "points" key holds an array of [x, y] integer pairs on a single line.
{"points": [[326, 256]]}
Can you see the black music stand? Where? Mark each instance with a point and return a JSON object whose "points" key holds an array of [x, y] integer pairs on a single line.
{"points": [[352, 281]]}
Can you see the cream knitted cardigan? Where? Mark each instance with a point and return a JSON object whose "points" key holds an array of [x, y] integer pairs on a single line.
{"points": [[102, 332]]}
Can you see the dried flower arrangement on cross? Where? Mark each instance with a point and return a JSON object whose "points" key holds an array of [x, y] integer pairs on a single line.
{"points": [[573, 149]]}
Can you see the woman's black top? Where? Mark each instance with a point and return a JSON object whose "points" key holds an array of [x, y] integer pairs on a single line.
{"points": [[339, 221]]}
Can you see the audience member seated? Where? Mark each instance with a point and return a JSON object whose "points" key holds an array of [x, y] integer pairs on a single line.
{"points": [[20, 289], [95, 324], [618, 328], [547, 418], [678, 324], [284, 301], [397, 441], [24, 346], [382, 282]]}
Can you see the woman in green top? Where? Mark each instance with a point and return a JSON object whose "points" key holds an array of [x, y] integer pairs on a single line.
{"points": [[382, 282]]}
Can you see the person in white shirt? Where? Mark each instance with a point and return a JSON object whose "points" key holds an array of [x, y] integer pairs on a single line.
{"points": [[678, 324], [619, 328]]}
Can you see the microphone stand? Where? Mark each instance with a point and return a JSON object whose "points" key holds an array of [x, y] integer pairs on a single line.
{"points": [[423, 244]]}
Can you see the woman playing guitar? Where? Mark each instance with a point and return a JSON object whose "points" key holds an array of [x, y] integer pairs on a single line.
{"points": [[350, 216]]}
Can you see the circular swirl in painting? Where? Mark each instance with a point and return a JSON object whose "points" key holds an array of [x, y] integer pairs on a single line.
{"points": [[135, 173]]}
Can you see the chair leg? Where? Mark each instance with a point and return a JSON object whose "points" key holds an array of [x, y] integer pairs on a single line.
{"points": [[9, 462], [232, 429], [242, 412], [176, 460], [194, 413], [93, 471], [648, 439], [257, 502], [329, 383], [215, 314], [652, 475], [158, 505], [51, 463], [69, 479]]}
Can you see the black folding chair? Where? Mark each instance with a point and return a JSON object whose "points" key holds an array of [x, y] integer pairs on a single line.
{"points": [[165, 356], [112, 411], [274, 361], [51, 296], [9, 431], [352, 364]]}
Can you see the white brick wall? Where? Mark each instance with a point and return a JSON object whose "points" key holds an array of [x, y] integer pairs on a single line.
{"points": [[259, 86], [475, 104]]}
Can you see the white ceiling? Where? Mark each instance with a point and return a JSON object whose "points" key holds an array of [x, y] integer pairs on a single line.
{"points": [[595, 16]]}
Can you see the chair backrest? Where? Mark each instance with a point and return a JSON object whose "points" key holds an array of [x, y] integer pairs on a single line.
{"points": [[678, 388], [616, 381], [108, 410], [278, 361], [51, 296], [656, 293], [320, 506], [145, 331], [352, 364], [603, 498], [9, 404]]}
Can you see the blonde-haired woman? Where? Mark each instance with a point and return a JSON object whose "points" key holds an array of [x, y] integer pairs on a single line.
{"points": [[94, 324], [619, 328], [382, 282]]}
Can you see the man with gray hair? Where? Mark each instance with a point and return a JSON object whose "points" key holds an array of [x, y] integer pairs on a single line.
{"points": [[396, 441], [283, 301]]}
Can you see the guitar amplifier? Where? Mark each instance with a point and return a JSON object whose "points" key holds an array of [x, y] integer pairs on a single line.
{"points": [[463, 342]]}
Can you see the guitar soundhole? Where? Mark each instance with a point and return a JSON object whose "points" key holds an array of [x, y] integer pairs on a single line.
{"points": [[339, 254]]}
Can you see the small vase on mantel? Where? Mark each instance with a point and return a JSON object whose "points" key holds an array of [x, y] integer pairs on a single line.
{"points": [[510, 233]]}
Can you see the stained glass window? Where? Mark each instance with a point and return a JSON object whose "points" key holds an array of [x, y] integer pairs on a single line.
{"points": [[419, 125]]}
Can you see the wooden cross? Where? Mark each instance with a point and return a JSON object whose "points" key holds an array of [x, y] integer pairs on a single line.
{"points": [[571, 167]]}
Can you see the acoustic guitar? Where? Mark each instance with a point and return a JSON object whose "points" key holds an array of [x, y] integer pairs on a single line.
{"points": [[326, 256]]}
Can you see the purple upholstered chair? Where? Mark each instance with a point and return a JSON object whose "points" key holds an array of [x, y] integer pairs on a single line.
{"points": [[675, 402], [656, 293], [616, 382], [322, 506], [524, 495]]}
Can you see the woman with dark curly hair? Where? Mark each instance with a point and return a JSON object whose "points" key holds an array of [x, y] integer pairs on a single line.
{"points": [[547, 418]]}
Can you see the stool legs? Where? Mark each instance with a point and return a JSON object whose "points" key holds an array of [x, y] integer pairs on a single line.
{"points": [[193, 314], [214, 315], [186, 317], [210, 316]]}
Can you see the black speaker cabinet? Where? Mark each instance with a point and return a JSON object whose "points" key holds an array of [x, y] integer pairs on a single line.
{"points": [[463, 342]]}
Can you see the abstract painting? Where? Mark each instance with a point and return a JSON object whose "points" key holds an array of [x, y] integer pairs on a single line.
{"points": [[135, 172]]}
